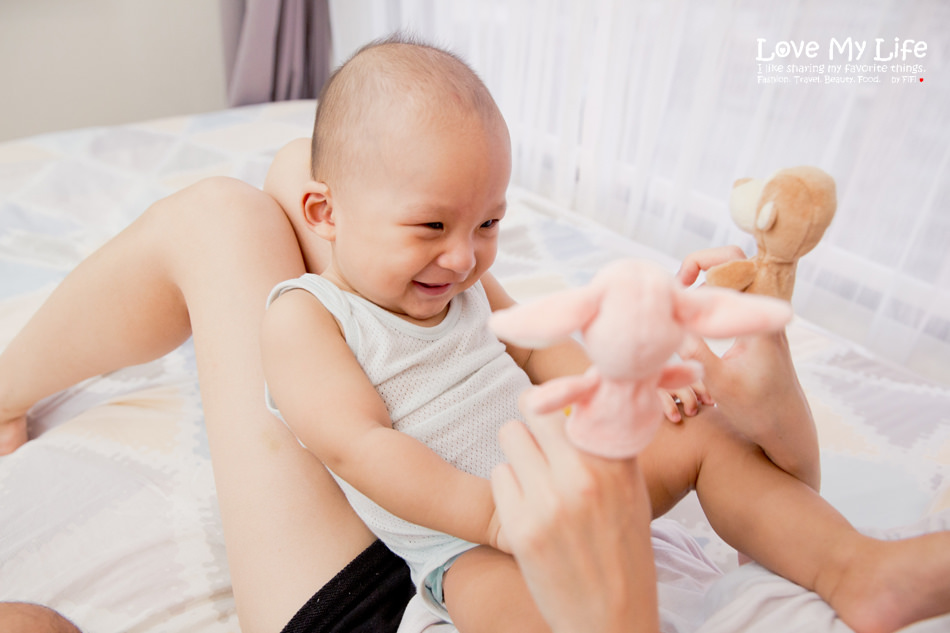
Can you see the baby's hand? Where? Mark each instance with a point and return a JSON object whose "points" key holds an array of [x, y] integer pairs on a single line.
{"points": [[684, 401]]}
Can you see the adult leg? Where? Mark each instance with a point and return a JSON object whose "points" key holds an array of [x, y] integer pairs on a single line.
{"points": [[118, 307], [24, 617], [203, 261], [286, 178]]}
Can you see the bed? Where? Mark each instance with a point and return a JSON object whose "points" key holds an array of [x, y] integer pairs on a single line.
{"points": [[109, 515]]}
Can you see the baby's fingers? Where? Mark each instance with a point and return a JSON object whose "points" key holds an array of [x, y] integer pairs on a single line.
{"points": [[684, 401], [670, 405], [702, 393], [688, 400]]}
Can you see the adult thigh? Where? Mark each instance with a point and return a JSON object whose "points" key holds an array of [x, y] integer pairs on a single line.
{"points": [[287, 526]]}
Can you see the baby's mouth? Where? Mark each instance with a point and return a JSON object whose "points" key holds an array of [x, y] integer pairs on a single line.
{"points": [[432, 289]]}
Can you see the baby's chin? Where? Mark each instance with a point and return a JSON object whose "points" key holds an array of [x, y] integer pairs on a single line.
{"points": [[426, 315]]}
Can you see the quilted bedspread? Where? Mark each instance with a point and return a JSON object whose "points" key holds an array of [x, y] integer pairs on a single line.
{"points": [[110, 515]]}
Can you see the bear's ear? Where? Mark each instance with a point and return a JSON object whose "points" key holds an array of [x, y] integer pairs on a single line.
{"points": [[766, 216], [744, 200]]}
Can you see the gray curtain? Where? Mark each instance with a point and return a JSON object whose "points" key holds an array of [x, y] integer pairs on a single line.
{"points": [[275, 50]]}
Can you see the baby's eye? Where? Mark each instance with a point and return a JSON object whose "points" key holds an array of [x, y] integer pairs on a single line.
{"points": [[490, 224], [434, 225]]}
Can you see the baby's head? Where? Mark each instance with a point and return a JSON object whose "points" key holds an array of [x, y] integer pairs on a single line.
{"points": [[386, 87], [411, 163]]}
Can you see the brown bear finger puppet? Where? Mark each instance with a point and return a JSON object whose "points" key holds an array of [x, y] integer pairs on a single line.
{"points": [[787, 213]]}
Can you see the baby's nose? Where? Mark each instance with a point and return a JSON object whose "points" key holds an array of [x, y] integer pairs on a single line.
{"points": [[459, 256]]}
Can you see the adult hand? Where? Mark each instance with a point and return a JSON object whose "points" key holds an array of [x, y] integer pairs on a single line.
{"points": [[703, 260], [579, 527], [755, 385]]}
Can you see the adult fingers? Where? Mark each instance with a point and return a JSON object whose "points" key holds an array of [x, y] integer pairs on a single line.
{"points": [[527, 462], [548, 429], [565, 469], [507, 491], [705, 259], [695, 348]]}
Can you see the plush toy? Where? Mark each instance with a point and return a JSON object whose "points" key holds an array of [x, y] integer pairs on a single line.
{"points": [[633, 317], [787, 214]]}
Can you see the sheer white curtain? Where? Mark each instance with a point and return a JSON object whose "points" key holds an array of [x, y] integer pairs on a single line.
{"points": [[640, 114]]}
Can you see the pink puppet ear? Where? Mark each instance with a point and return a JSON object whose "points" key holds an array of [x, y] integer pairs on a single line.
{"points": [[559, 393], [681, 374], [723, 313], [547, 320]]}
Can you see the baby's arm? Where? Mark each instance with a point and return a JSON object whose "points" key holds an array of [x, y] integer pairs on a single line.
{"points": [[562, 359], [327, 400]]}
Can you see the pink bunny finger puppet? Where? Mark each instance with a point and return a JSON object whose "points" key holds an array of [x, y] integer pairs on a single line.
{"points": [[633, 316]]}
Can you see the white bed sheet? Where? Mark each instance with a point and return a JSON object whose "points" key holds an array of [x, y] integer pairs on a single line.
{"points": [[110, 516]]}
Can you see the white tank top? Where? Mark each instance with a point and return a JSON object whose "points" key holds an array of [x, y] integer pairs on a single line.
{"points": [[451, 386]]}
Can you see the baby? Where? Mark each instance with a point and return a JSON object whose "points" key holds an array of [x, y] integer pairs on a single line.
{"points": [[384, 367]]}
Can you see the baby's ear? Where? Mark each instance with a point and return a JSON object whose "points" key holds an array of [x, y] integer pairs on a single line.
{"points": [[318, 211]]}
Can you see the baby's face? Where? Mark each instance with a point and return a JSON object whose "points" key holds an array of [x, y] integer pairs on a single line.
{"points": [[419, 226]]}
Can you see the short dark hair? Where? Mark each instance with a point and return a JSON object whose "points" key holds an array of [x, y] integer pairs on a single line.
{"points": [[386, 76]]}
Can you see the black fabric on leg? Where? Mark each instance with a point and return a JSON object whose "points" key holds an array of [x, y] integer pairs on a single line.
{"points": [[368, 596]]}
